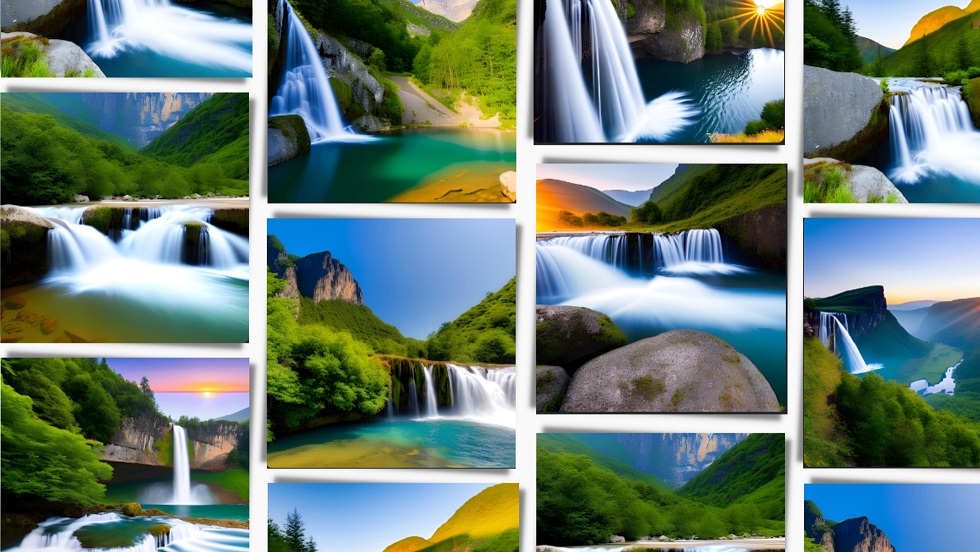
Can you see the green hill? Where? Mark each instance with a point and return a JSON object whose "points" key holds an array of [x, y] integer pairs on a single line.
{"points": [[752, 472], [953, 46], [357, 320], [484, 333], [33, 103], [214, 132], [676, 182], [569, 443], [870, 49], [488, 522], [420, 17]]}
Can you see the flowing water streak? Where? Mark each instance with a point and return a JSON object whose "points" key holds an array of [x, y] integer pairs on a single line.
{"points": [[600, 100], [173, 31], [304, 89], [931, 132], [182, 468], [827, 325], [431, 404], [855, 361], [483, 397]]}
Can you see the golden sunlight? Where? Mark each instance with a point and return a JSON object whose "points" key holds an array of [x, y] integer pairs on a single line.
{"points": [[763, 18], [207, 394]]}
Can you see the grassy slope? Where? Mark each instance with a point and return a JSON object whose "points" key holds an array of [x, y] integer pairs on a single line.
{"points": [[358, 320], [557, 195], [753, 472], [491, 512], [215, 131], [931, 367], [823, 444], [496, 313], [869, 49], [676, 182], [852, 301], [232, 480], [418, 16], [942, 44], [32, 103], [568, 443]]}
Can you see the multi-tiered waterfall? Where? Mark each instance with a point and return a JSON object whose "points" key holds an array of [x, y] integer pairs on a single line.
{"points": [[931, 133], [189, 35], [472, 392], [835, 335], [304, 88], [600, 99]]}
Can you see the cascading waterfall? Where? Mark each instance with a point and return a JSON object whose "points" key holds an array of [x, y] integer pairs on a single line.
{"points": [[182, 467], [931, 132], [601, 99], [828, 322], [413, 398], [855, 362], [483, 394], [304, 89], [431, 404], [173, 31], [58, 535]]}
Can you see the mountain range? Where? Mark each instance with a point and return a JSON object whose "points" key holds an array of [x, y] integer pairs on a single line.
{"points": [[453, 10], [851, 535]]}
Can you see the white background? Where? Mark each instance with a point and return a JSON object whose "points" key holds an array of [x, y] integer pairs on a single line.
{"points": [[528, 156]]}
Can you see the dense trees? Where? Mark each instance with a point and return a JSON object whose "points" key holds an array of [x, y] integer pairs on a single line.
{"points": [[484, 333], [829, 36], [44, 162], [292, 536]]}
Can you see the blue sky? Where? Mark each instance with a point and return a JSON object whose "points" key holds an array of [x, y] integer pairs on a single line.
{"points": [[414, 273], [914, 259], [915, 517], [609, 176], [368, 517], [889, 23]]}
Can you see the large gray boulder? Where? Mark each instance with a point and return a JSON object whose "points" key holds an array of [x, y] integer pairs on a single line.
{"points": [[550, 387], [288, 138], [836, 107], [63, 56], [863, 181], [568, 336], [677, 371]]}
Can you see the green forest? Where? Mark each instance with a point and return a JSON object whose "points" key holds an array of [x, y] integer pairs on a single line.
{"points": [[700, 197], [48, 159], [291, 537], [580, 502], [326, 358], [830, 40], [476, 58]]}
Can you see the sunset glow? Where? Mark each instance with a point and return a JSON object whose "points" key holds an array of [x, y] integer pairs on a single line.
{"points": [[761, 17], [204, 376]]}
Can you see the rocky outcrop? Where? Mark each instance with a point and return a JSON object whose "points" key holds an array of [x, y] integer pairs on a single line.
{"points": [[453, 10], [550, 387], [677, 371], [23, 247], [288, 138], [843, 114], [345, 66], [317, 276], [135, 442], [508, 185], [213, 442], [63, 57], [863, 181], [43, 17], [860, 535], [760, 234], [569, 336], [867, 307], [649, 35]]}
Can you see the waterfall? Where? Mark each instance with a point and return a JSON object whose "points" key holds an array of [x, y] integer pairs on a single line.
{"points": [[177, 32], [855, 362], [413, 397], [690, 246], [304, 89], [598, 98], [828, 322], [431, 404], [182, 468], [931, 132]]}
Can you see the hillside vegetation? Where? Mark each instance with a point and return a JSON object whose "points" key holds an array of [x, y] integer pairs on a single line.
{"points": [[570, 444], [33, 103], [484, 333], [555, 197]]}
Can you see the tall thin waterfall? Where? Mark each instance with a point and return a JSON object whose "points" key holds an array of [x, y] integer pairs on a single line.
{"points": [[169, 30], [931, 132], [431, 404], [182, 468], [598, 98], [831, 324], [304, 89]]}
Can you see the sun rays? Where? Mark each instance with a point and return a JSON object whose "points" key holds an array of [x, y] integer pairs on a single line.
{"points": [[762, 18]]}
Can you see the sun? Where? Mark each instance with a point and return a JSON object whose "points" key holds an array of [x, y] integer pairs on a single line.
{"points": [[207, 394], [760, 10], [762, 18]]}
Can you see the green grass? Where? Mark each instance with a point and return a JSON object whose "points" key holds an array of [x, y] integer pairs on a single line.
{"points": [[235, 480], [828, 183], [491, 512], [823, 443], [25, 57], [932, 367]]}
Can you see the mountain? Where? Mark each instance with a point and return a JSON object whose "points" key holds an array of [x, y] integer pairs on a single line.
{"points": [[852, 535], [453, 10], [40, 103], [554, 196], [629, 197], [317, 276], [946, 46], [240, 416], [571, 443], [214, 132], [955, 323], [672, 457], [419, 20], [911, 320], [936, 19], [682, 175], [869, 49], [488, 521], [751, 472], [912, 305]]}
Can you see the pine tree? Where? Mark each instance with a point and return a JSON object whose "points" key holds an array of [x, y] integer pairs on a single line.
{"points": [[294, 531]]}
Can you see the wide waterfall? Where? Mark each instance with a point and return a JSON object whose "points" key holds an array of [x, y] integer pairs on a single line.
{"points": [[598, 98], [177, 32], [832, 327], [58, 535], [182, 467], [487, 395], [931, 133], [304, 89]]}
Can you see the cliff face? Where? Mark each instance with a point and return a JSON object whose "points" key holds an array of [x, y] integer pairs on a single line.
{"points": [[317, 276], [866, 309], [133, 443], [453, 10], [649, 35], [860, 535], [760, 234]]}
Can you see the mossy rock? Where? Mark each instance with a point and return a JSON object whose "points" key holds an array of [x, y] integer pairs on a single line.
{"points": [[232, 220], [23, 246], [100, 218], [570, 336], [132, 509], [288, 138], [677, 371], [550, 387]]}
